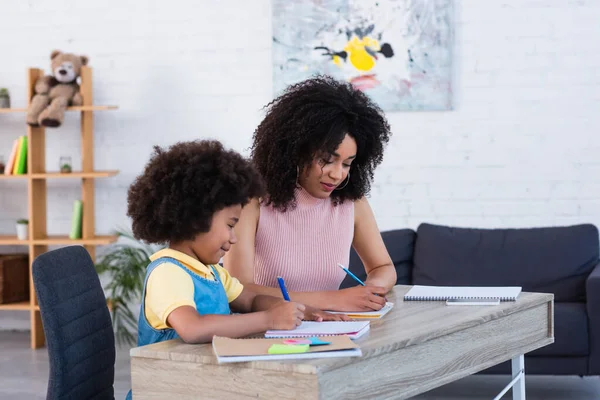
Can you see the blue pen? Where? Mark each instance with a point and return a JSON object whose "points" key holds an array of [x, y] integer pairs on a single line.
{"points": [[346, 270], [283, 289]]}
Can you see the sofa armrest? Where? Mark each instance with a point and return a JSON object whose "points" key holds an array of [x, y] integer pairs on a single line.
{"points": [[592, 287]]}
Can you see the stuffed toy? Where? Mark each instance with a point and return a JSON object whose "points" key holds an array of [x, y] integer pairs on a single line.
{"points": [[54, 93]]}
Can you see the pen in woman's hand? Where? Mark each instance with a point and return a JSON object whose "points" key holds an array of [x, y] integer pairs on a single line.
{"points": [[357, 279]]}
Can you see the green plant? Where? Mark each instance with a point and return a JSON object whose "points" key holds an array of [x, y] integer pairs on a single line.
{"points": [[22, 221], [125, 264], [65, 168], [3, 92]]}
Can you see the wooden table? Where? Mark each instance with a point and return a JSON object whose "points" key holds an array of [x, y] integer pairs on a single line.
{"points": [[416, 347]]}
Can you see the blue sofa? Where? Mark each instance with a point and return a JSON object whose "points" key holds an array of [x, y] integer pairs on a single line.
{"points": [[560, 260]]}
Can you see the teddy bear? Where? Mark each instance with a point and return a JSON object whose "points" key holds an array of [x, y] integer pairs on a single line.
{"points": [[55, 92]]}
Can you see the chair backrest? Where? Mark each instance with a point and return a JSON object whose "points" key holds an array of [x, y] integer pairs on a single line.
{"points": [[77, 324]]}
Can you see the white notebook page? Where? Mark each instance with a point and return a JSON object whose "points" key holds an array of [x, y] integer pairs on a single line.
{"points": [[325, 328]]}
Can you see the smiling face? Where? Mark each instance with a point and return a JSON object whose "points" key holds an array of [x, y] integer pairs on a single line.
{"points": [[329, 171], [209, 247]]}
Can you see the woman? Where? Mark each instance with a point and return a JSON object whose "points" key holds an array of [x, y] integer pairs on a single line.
{"points": [[317, 149]]}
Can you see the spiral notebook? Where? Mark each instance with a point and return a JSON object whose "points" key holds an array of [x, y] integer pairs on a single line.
{"points": [[442, 293], [354, 329]]}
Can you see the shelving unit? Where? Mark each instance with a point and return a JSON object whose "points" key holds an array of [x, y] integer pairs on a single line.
{"points": [[38, 238]]}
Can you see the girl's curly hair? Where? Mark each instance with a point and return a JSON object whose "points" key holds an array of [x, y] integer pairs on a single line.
{"points": [[310, 119], [181, 188]]}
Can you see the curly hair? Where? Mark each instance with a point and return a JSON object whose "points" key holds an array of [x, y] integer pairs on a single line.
{"points": [[312, 118], [180, 190]]}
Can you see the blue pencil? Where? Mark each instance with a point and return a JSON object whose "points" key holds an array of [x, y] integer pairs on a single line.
{"points": [[284, 292], [346, 270]]}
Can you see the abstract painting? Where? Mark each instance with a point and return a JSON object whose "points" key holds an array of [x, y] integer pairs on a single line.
{"points": [[396, 51]]}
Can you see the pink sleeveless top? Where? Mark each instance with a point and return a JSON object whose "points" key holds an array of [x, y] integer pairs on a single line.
{"points": [[304, 245]]}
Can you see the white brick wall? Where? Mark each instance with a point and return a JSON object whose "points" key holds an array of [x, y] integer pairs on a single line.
{"points": [[520, 148]]}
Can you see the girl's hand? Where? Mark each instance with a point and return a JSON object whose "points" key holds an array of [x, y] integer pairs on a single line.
{"points": [[285, 315], [314, 314], [360, 298]]}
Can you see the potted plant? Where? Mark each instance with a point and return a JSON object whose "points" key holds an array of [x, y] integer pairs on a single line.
{"points": [[124, 265], [22, 228], [65, 164], [4, 98]]}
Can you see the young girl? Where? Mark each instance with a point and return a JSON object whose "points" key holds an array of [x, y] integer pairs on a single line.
{"points": [[190, 198], [317, 149]]}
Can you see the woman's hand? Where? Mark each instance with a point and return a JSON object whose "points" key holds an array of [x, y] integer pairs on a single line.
{"points": [[314, 314], [360, 298]]}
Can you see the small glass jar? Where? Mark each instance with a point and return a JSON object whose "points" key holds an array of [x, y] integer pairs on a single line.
{"points": [[65, 164]]}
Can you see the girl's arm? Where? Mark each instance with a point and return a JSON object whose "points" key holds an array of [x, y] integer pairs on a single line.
{"points": [[195, 328], [239, 261], [370, 247]]}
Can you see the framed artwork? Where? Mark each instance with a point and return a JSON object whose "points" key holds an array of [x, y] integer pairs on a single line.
{"points": [[396, 51]]}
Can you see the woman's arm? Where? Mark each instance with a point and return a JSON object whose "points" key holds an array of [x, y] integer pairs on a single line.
{"points": [[239, 261], [249, 301], [370, 247]]}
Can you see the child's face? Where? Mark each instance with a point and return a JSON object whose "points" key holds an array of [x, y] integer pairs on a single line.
{"points": [[329, 171], [210, 246]]}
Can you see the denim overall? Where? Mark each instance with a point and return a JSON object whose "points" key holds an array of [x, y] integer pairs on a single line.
{"points": [[209, 297]]}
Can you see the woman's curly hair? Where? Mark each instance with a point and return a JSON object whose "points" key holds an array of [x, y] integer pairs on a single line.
{"points": [[310, 119], [181, 188]]}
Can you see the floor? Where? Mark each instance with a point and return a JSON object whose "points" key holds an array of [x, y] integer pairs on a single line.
{"points": [[24, 374]]}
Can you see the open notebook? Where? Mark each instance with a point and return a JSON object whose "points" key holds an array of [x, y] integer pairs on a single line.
{"points": [[354, 329], [366, 314], [442, 293], [241, 350]]}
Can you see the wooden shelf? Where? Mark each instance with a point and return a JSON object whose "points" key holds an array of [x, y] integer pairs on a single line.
{"points": [[75, 174], [23, 305], [72, 175], [64, 239], [24, 176], [78, 108], [8, 240], [37, 191], [12, 240]]}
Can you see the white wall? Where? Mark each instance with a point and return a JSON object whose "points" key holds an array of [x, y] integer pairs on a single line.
{"points": [[521, 147]]}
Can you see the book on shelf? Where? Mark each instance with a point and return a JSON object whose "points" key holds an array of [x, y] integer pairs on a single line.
{"points": [[76, 221], [22, 165], [8, 168], [19, 166]]}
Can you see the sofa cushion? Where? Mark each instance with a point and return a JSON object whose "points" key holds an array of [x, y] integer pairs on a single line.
{"points": [[552, 260], [570, 332], [400, 244]]}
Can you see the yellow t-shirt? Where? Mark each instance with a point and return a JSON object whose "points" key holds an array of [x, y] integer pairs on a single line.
{"points": [[169, 286]]}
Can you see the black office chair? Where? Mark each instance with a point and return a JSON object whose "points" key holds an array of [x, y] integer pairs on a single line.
{"points": [[77, 324]]}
